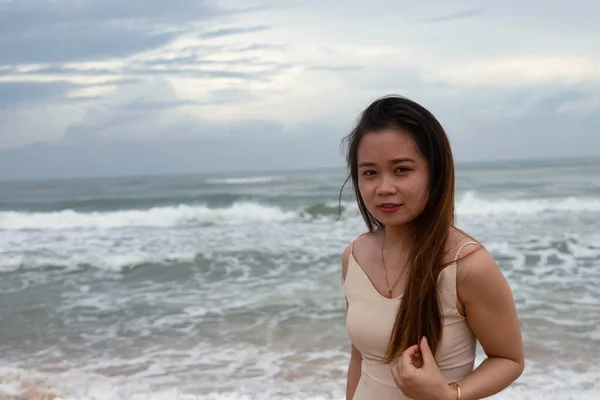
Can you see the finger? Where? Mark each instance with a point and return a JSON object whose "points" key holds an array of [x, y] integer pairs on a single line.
{"points": [[417, 361], [396, 374], [398, 366], [412, 351], [426, 352], [401, 382], [406, 360]]}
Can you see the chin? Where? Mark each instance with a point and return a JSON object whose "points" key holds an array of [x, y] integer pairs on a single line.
{"points": [[392, 220]]}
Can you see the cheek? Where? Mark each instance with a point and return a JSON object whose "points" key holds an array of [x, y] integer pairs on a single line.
{"points": [[367, 192], [418, 188], [364, 191], [365, 185]]}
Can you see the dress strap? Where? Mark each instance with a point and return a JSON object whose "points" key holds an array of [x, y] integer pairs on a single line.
{"points": [[461, 248], [450, 301], [351, 255]]}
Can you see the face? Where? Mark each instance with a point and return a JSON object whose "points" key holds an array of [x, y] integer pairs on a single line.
{"points": [[393, 176]]}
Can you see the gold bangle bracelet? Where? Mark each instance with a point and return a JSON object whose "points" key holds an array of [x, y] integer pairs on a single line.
{"points": [[457, 386]]}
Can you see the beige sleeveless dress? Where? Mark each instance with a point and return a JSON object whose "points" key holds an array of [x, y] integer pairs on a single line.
{"points": [[370, 319]]}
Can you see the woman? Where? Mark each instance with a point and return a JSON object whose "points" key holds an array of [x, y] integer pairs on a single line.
{"points": [[419, 292]]}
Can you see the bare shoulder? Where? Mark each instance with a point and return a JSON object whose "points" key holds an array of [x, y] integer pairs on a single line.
{"points": [[479, 278], [366, 241], [478, 272]]}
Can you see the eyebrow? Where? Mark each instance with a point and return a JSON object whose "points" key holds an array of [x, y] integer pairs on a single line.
{"points": [[394, 161]]}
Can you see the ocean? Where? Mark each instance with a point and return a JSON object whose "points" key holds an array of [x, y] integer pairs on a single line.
{"points": [[228, 286]]}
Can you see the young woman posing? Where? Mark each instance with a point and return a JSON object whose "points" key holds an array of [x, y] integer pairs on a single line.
{"points": [[419, 292]]}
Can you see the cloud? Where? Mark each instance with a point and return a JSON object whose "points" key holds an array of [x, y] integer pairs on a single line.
{"points": [[334, 68], [139, 73], [136, 112], [584, 105], [233, 31], [101, 147], [541, 132], [35, 123], [243, 146], [18, 93], [80, 30], [95, 42], [474, 12], [520, 71], [148, 105], [245, 67]]}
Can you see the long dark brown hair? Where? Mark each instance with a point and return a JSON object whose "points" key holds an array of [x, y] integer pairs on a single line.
{"points": [[419, 313]]}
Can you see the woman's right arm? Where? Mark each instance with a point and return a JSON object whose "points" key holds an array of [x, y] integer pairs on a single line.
{"points": [[354, 367]]}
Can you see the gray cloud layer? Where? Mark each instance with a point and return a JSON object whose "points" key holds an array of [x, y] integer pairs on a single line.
{"points": [[101, 87], [474, 12], [69, 30]]}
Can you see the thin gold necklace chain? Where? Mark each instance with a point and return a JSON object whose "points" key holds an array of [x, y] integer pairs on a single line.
{"points": [[385, 271]]}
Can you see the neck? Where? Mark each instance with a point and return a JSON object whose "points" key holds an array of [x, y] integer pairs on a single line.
{"points": [[396, 236]]}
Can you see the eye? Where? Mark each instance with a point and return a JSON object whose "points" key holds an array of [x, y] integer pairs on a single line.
{"points": [[369, 172], [403, 169]]}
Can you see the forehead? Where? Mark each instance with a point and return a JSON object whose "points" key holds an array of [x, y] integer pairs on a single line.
{"points": [[387, 145]]}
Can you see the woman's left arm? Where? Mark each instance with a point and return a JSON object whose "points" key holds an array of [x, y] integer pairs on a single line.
{"points": [[492, 316]]}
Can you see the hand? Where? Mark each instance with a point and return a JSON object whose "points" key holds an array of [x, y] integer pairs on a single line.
{"points": [[417, 375]]}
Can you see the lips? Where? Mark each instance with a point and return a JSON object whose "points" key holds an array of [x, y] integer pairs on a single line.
{"points": [[388, 207]]}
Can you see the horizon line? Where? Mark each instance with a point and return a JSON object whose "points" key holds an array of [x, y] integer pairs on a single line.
{"points": [[457, 164]]}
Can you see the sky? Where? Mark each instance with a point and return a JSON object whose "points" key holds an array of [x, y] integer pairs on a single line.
{"points": [[135, 87]]}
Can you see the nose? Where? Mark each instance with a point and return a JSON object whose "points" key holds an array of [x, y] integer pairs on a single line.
{"points": [[386, 186]]}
